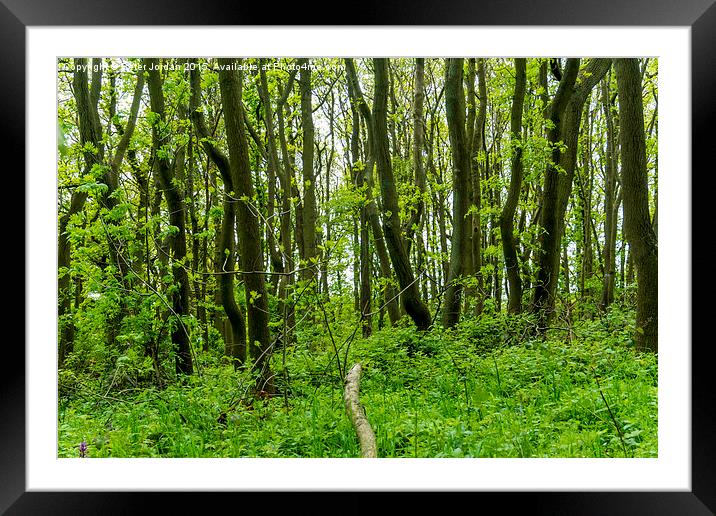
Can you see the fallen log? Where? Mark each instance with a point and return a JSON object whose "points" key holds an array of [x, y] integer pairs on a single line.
{"points": [[356, 413]]}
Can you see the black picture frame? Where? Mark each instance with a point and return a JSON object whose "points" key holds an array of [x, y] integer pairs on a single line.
{"points": [[700, 15]]}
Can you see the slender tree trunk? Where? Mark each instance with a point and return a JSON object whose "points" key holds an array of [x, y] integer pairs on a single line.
{"points": [[272, 169], [204, 255], [471, 287], [565, 268], [637, 220], [355, 241], [418, 144], [438, 208], [389, 292], [195, 254], [392, 115], [414, 306], [287, 280], [585, 181], [278, 251], [460, 251], [565, 116], [327, 197], [177, 218], [235, 343], [364, 263], [495, 202], [610, 206], [509, 247], [478, 147], [218, 320], [309, 177], [250, 257]]}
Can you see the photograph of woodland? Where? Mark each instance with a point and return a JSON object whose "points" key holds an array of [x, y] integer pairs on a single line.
{"points": [[357, 257]]}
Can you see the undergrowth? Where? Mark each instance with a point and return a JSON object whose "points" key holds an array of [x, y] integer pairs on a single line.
{"points": [[485, 389]]}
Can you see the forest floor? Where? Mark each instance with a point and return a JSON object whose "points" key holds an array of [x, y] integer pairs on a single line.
{"points": [[482, 390]]}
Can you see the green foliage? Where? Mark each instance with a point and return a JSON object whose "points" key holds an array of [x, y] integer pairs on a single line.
{"points": [[486, 388], [481, 390], [93, 187]]}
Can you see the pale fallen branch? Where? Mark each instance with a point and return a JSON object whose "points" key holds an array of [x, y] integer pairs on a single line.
{"points": [[356, 413]]}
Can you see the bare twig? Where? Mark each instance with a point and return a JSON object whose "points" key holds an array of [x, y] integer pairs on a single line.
{"points": [[614, 420]]}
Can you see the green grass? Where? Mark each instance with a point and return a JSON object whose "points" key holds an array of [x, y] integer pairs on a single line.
{"points": [[461, 394]]}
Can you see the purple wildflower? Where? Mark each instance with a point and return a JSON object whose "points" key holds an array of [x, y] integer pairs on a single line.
{"points": [[83, 449]]}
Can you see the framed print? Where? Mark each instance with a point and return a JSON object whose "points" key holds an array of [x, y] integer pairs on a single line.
{"points": [[169, 74]]}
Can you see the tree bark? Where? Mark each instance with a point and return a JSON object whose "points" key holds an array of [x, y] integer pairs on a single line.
{"points": [[177, 218], [509, 247], [637, 221], [610, 206], [309, 177], [389, 292], [565, 116], [418, 144], [364, 262], [287, 191], [470, 289], [236, 347], [272, 169], [279, 251], [414, 306], [356, 413], [251, 257], [478, 147], [460, 250], [195, 242]]}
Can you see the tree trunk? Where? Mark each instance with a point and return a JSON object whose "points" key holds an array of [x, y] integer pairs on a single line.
{"points": [[272, 169], [389, 291], [585, 182], [470, 289], [610, 207], [309, 178], [414, 306], [637, 222], [478, 148], [226, 264], [495, 202], [460, 250], [285, 177], [278, 251], [364, 261], [509, 247], [565, 116], [250, 256], [418, 143], [195, 242], [177, 218]]}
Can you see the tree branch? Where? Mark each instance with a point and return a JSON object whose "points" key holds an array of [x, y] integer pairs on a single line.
{"points": [[356, 413]]}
